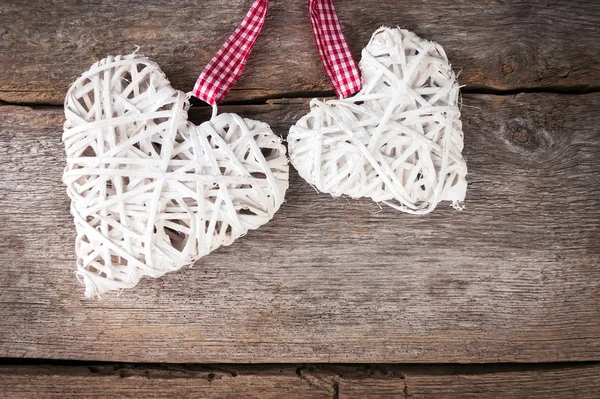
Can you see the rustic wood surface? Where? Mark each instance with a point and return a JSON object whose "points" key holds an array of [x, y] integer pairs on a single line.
{"points": [[515, 277], [337, 382], [509, 45], [512, 278]]}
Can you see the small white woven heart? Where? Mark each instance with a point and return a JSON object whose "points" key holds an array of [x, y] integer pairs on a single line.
{"points": [[151, 192], [399, 140]]}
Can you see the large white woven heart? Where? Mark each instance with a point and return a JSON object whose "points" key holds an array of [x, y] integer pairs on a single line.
{"points": [[399, 140], [151, 192]]}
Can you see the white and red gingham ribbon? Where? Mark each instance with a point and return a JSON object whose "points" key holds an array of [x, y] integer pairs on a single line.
{"points": [[225, 68], [335, 53], [221, 73]]}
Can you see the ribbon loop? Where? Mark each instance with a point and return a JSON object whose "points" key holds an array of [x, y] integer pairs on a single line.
{"points": [[225, 68], [335, 53]]}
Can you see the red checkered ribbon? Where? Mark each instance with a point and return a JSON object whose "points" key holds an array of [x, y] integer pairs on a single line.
{"points": [[221, 73], [333, 48]]}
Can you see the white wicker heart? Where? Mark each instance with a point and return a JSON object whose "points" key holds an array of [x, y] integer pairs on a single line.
{"points": [[151, 192], [399, 140]]}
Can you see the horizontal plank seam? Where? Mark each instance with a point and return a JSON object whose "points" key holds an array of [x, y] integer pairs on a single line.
{"points": [[471, 89], [299, 367]]}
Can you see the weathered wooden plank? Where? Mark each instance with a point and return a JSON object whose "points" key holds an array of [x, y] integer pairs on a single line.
{"points": [[338, 382], [512, 44], [488, 381], [155, 382], [514, 277]]}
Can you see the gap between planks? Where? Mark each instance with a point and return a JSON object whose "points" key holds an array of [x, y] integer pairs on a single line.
{"points": [[264, 100]]}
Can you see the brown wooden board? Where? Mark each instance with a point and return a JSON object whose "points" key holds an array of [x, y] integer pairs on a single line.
{"points": [[336, 382], [515, 277], [45, 45]]}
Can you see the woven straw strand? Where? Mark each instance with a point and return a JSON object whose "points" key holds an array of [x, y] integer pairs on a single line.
{"points": [[399, 140], [150, 191]]}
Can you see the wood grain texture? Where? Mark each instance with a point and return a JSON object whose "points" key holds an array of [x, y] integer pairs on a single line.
{"points": [[46, 44], [512, 278], [336, 382], [154, 382]]}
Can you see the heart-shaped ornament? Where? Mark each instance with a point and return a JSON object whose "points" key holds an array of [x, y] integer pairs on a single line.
{"points": [[150, 191], [399, 139]]}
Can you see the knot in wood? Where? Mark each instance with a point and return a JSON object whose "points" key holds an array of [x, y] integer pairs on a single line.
{"points": [[522, 135], [509, 67]]}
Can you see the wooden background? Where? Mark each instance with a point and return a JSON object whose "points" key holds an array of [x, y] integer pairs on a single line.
{"points": [[511, 284]]}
